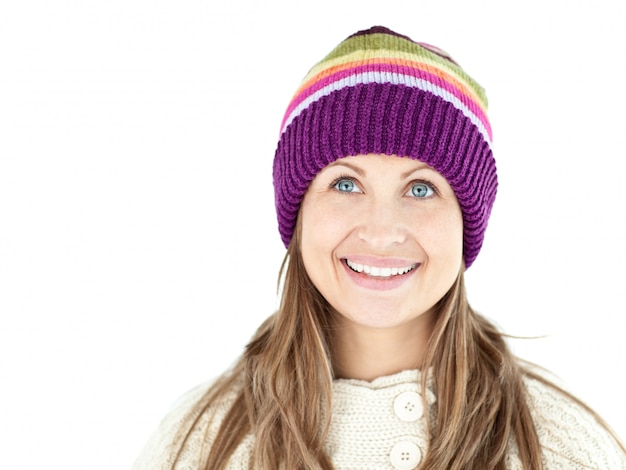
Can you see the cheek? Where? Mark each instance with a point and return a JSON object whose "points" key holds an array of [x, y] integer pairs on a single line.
{"points": [[310, 237], [455, 232], [443, 234], [318, 239], [324, 225]]}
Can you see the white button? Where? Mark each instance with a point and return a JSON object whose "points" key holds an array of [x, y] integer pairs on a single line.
{"points": [[408, 406], [405, 456]]}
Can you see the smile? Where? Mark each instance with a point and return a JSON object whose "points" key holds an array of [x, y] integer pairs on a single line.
{"points": [[375, 271]]}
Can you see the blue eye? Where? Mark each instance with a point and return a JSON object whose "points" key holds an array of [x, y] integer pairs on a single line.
{"points": [[346, 185], [422, 190]]}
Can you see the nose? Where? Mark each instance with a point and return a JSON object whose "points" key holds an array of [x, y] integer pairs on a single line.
{"points": [[383, 226]]}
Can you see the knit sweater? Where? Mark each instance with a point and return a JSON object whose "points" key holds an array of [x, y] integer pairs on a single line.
{"points": [[381, 425]]}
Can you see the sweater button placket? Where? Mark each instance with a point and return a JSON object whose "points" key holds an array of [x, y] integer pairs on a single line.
{"points": [[407, 407]]}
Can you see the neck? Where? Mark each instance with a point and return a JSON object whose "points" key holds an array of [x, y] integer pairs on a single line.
{"points": [[365, 353]]}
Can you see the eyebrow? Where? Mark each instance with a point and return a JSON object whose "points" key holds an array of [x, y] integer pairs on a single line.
{"points": [[354, 168], [362, 172]]}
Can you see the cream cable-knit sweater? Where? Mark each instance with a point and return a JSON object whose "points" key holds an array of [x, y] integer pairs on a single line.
{"points": [[380, 425]]}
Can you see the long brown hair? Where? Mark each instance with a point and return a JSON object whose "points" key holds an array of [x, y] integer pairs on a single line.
{"points": [[285, 378]]}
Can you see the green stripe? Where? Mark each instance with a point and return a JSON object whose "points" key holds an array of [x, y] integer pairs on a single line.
{"points": [[396, 43]]}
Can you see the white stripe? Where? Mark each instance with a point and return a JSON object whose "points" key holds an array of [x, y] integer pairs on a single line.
{"points": [[396, 79]]}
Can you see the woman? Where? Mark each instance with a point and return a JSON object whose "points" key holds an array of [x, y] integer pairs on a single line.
{"points": [[384, 181]]}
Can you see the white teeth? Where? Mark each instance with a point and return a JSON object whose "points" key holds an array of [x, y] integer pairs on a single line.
{"points": [[378, 272]]}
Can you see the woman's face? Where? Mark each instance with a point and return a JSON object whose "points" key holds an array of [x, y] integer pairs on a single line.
{"points": [[382, 238]]}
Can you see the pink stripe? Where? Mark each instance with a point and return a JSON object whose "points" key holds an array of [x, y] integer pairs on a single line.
{"points": [[471, 104]]}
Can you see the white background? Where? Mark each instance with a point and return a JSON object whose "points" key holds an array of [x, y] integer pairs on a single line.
{"points": [[138, 242]]}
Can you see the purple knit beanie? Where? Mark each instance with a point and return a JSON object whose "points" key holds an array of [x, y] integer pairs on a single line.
{"points": [[380, 92]]}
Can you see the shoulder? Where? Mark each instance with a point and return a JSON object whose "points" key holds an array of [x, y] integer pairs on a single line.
{"points": [[571, 436], [187, 412]]}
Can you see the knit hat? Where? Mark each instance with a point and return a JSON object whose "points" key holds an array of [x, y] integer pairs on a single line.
{"points": [[381, 92]]}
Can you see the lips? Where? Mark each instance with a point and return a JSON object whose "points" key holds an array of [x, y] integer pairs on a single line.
{"points": [[380, 274], [379, 271]]}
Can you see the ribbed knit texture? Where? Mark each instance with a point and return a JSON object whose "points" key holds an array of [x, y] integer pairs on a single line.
{"points": [[365, 430], [380, 92]]}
